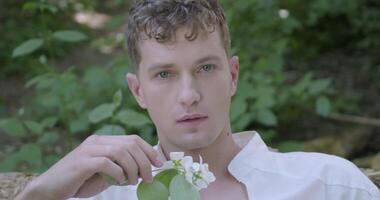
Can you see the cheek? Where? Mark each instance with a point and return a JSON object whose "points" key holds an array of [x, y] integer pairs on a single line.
{"points": [[159, 104], [218, 97]]}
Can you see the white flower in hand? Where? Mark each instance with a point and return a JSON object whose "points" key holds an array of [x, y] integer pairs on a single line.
{"points": [[199, 175], [178, 161]]}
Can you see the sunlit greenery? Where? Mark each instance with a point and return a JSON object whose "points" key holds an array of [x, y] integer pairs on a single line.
{"points": [[276, 42]]}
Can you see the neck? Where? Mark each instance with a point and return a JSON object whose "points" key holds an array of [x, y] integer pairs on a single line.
{"points": [[217, 155]]}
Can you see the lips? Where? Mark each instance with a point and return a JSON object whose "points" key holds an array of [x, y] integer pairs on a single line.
{"points": [[192, 121], [191, 117]]}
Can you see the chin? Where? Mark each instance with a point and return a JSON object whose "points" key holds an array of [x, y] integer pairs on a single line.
{"points": [[193, 141]]}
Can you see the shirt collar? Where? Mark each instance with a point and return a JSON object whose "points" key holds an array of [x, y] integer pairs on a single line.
{"points": [[254, 154]]}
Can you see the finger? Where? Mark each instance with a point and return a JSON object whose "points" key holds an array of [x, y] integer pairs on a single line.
{"points": [[127, 139], [92, 186], [132, 170], [150, 152], [105, 165], [109, 139], [117, 154], [143, 162]]}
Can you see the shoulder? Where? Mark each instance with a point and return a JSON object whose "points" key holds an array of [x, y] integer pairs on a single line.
{"points": [[329, 170]]}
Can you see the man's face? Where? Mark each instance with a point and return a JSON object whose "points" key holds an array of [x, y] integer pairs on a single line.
{"points": [[184, 78]]}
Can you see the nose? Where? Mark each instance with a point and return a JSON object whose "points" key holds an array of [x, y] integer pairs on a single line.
{"points": [[188, 92]]}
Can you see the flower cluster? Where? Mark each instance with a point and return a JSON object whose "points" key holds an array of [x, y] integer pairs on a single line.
{"points": [[195, 173]]}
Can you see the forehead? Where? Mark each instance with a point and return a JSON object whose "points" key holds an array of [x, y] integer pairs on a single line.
{"points": [[180, 50]]}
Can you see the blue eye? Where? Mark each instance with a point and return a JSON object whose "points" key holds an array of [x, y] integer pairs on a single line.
{"points": [[208, 67], [163, 74]]}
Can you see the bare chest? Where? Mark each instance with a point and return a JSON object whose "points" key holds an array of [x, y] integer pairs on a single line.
{"points": [[225, 191]]}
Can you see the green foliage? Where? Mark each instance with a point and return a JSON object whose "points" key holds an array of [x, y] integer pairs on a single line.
{"points": [[290, 146], [29, 153], [12, 127], [63, 108], [262, 87], [69, 36], [181, 189], [132, 118], [165, 177], [275, 87], [323, 106], [152, 191], [27, 47], [101, 112]]}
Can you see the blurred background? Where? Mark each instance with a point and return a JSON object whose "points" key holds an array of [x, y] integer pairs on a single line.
{"points": [[309, 80]]}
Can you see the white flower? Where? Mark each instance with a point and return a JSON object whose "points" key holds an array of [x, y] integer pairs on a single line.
{"points": [[197, 174], [206, 174], [178, 161], [176, 155], [283, 13]]}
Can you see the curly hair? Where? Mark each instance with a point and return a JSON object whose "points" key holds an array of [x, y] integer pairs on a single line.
{"points": [[160, 19]]}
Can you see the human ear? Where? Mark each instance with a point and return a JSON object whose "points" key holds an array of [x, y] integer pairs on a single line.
{"points": [[134, 87], [234, 70]]}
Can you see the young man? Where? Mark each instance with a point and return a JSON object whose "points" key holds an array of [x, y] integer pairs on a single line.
{"points": [[185, 78]]}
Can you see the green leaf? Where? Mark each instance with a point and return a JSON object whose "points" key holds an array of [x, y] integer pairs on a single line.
{"points": [[152, 191], [302, 84], [27, 47], [266, 117], [116, 21], [166, 176], [318, 86], [52, 159], [132, 118], [79, 124], [43, 59], [48, 138], [181, 189], [117, 98], [111, 130], [238, 107], [37, 79], [323, 106], [48, 161], [34, 127], [30, 153], [101, 112], [53, 9], [290, 146], [31, 6], [69, 36], [12, 127], [21, 112], [9, 163], [49, 122], [242, 122], [246, 90]]}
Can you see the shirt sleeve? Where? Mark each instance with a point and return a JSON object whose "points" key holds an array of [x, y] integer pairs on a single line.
{"points": [[114, 193]]}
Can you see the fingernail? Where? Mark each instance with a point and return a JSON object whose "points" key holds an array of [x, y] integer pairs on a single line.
{"points": [[159, 162]]}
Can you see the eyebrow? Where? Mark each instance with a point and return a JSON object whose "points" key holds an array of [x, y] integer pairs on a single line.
{"points": [[169, 65]]}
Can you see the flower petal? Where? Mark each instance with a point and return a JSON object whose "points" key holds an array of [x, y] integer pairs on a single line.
{"points": [[200, 184], [176, 155], [168, 165], [196, 166], [186, 162]]}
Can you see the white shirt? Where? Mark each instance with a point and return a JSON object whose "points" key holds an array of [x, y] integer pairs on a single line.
{"points": [[283, 176]]}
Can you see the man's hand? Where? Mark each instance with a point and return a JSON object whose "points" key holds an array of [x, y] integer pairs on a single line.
{"points": [[77, 174]]}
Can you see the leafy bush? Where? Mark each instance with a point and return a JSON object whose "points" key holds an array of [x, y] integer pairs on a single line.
{"points": [[274, 40]]}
